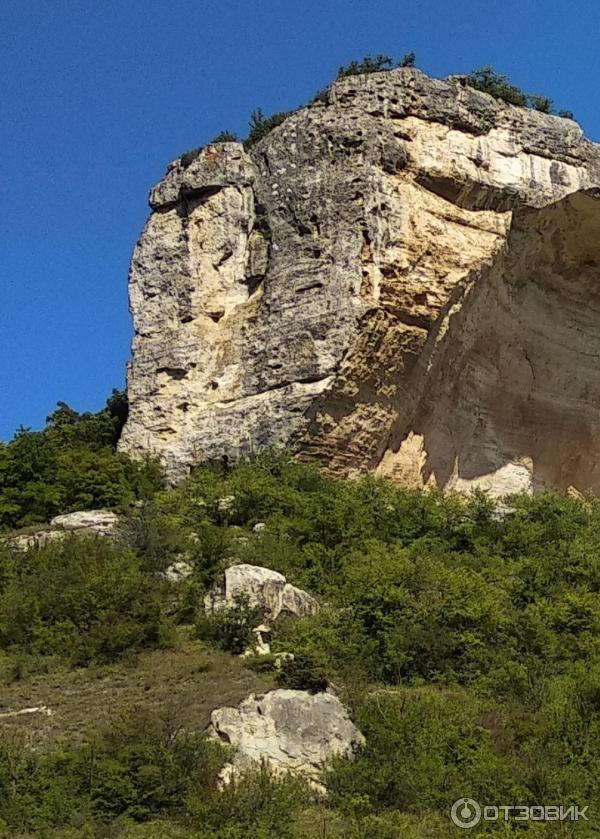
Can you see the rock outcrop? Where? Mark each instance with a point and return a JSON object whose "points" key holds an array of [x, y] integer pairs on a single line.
{"points": [[289, 731], [265, 589], [99, 522], [402, 278], [92, 522]]}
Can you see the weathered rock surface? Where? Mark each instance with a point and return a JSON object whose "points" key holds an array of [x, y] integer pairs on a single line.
{"points": [[288, 730], [401, 278], [94, 522], [102, 522], [265, 589], [178, 572]]}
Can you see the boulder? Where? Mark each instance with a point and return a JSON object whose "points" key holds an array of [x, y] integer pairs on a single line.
{"points": [[265, 589], [95, 522], [289, 731], [102, 522]]}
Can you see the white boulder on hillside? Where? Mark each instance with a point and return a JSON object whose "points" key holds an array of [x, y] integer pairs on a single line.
{"points": [[102, 522], [95, 522], [265, 589], [289, 731]]}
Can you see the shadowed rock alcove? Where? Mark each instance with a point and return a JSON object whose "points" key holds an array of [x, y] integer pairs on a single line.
{"points": [[513, 399]]}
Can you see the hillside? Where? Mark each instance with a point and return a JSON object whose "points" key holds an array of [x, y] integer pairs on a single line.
{"points": [[462, 636]]}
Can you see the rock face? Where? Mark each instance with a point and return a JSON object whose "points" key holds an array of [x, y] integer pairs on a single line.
{"points": [[402, 278], [266, 589], [288, 730]]}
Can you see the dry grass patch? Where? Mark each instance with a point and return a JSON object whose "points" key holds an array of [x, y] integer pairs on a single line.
{"points": [[182, 685]]}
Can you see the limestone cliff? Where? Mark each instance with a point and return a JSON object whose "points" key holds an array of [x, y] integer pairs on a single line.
{"points": [[402, 278]]}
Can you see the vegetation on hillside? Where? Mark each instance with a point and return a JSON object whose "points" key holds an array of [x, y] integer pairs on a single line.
{"points": [[71, 465], [466, 646], [375, 64]]}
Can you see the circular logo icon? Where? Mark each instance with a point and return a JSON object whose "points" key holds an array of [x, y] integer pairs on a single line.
{"points": [[465, 812]]}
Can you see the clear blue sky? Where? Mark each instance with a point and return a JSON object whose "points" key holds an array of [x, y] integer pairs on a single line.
{"points": [[96, 96]]}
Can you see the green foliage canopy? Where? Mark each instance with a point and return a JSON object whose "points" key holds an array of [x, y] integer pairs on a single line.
{"points": [[71, 465]]}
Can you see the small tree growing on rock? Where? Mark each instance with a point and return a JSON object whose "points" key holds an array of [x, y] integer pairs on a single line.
{"points": [[369, 64], [260, 125]]}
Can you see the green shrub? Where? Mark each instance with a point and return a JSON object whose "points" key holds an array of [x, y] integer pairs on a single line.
{"points": [[260, 125], [541, 103], [423, 750], [230, 629], [189, 156], [467, 648], [369, 64], [408, 60], [225, 137], [499, 86], [375, 64], [258, 806], [71, 465], [302, 673], [83, 599], [137, 771]]}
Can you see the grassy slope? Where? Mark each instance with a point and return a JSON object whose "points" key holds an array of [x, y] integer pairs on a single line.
{"points": [[183, 684]]}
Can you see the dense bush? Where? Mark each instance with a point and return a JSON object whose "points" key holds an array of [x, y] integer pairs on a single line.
{"points": [[302, 672], [497, 85], [230, 629], [375, 64], [82, 599], [190, 155], [225, 137], [71, 465], [137, 770], [465, 643]]}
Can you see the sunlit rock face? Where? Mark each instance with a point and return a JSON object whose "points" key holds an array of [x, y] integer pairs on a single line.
{"points": [[401, 279]]}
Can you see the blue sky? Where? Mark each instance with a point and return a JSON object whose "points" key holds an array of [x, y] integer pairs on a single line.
{"points": [[97, 96]]}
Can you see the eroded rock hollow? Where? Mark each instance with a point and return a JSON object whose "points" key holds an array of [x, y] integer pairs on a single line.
{"points": [[402, 278]]}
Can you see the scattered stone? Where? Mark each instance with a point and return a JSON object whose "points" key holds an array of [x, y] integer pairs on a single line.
{"points": [[501, 512], [226, 504], [41, 709]]}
